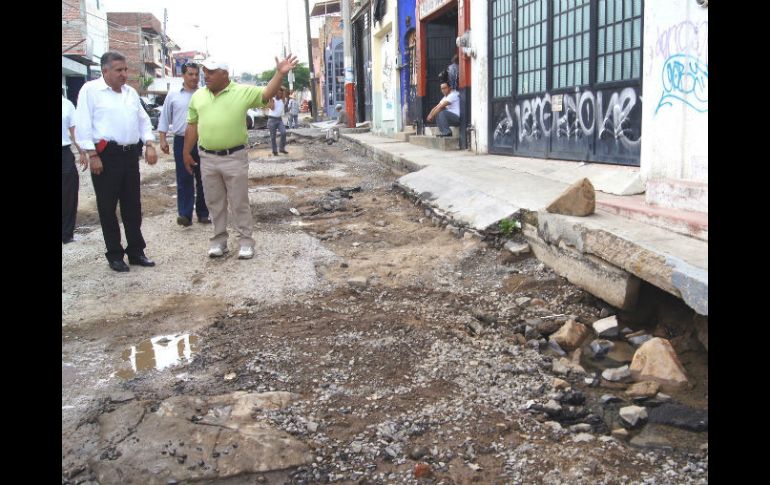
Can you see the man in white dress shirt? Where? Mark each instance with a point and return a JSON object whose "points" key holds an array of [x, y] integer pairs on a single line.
{"points": [[70, 181], [112, 126]]}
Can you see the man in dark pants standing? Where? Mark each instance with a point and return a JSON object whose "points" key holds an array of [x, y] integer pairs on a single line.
{"points": [[70, 182], [111, 126], [189, 188], [275, 121]]}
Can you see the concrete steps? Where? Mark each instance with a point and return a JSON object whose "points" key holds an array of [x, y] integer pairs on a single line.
{"points": [[405, 134], [447, 143], [688, 223]]}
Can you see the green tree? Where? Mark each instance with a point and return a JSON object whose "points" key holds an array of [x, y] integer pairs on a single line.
{"points": [[301, 77], [246, 76], [146, 81]]}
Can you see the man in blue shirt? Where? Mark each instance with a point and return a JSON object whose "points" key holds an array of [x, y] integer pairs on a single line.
{"points": [[189, 188]]}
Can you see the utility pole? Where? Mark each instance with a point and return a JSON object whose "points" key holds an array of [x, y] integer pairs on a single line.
{"points": [[314, 108], [288, 33], [163, 43], [350, 86]]}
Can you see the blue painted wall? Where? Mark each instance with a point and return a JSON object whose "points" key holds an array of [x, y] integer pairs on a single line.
{"points": [[406, 8]]}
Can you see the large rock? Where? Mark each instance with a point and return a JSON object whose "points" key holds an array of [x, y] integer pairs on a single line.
{"points": [[643, 389], [190, 439], [579, 199], [571, 335], [616, 374], [656, 361], [606, 327], [633, 415], [564, 366]]}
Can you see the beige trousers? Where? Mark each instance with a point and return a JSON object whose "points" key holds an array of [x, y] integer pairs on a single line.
{"points": [[226, 181]]}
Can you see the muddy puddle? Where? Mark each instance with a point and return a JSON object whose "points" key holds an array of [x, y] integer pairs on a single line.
{"points": [[158, 353]]}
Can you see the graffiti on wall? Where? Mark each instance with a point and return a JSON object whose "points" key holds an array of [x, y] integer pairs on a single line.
{"points": [[388, 93], [685, 79], [684, 37], [584, 114], [685, 72]]}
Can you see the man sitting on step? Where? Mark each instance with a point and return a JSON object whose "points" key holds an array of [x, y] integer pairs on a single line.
{"points": [[447, 111]]}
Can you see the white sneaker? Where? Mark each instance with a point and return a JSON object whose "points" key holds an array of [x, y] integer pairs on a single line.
{"points": [[246, 252], [217, 251]]}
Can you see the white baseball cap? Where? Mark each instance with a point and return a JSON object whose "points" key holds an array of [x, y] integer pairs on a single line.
{"points": [[212, 64]]}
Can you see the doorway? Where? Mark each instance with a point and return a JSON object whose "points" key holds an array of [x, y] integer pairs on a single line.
{"points": [[441, 33]]}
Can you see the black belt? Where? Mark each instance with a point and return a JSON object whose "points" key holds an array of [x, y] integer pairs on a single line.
{"points": [[224, 152], [125, 148], [276, 117]]}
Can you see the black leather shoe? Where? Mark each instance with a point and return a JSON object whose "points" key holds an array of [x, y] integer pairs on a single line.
{"points": [[275, 153], [141, 261], [183, 221], [204, 220], [283, 151], [68, 240], [119, 266]]}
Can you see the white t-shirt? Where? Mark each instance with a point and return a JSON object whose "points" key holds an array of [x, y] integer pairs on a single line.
{"points": [[67, 120], [278, 111], [453, 98]]}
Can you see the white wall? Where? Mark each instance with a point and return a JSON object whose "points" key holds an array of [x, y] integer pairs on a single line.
{"points": [[479, 75], [96, 29], [675, 93], [385, 79]]}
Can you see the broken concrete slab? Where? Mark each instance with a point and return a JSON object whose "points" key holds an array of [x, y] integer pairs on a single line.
{"points": [[479, 191], [673, 263], [611, 284], [193, 438], [579, 199]]}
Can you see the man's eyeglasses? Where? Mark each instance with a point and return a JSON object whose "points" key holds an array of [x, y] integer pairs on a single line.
{"points": [[190, 64]]}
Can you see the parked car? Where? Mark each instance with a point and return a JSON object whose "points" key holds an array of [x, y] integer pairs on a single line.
{"points": [[153, 112], [256, 119]]}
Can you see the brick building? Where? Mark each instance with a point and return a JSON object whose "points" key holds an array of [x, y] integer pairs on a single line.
{"points": [[138, 35], [83, 41]]}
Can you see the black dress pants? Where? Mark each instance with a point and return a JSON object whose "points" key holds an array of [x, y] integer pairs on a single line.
{"points": [[119, 182], [70, 182]]}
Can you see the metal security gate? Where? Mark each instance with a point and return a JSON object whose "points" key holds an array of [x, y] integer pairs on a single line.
{"points": [[335, 77], [565, 79], [362, 51], [441, 35]]}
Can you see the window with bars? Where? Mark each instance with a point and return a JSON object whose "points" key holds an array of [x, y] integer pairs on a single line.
{"points": [[532, 39], [571, 43], [619, 40], [502, 48], [590, 41]]}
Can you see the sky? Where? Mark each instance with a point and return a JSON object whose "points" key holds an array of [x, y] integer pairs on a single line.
{"points": [[247, 34]]}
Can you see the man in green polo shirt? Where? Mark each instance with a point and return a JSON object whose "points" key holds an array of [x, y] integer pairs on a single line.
{"points": [[216, 119]]}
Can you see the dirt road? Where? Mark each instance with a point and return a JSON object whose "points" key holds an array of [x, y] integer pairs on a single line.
{"points": [[361, 344]]}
